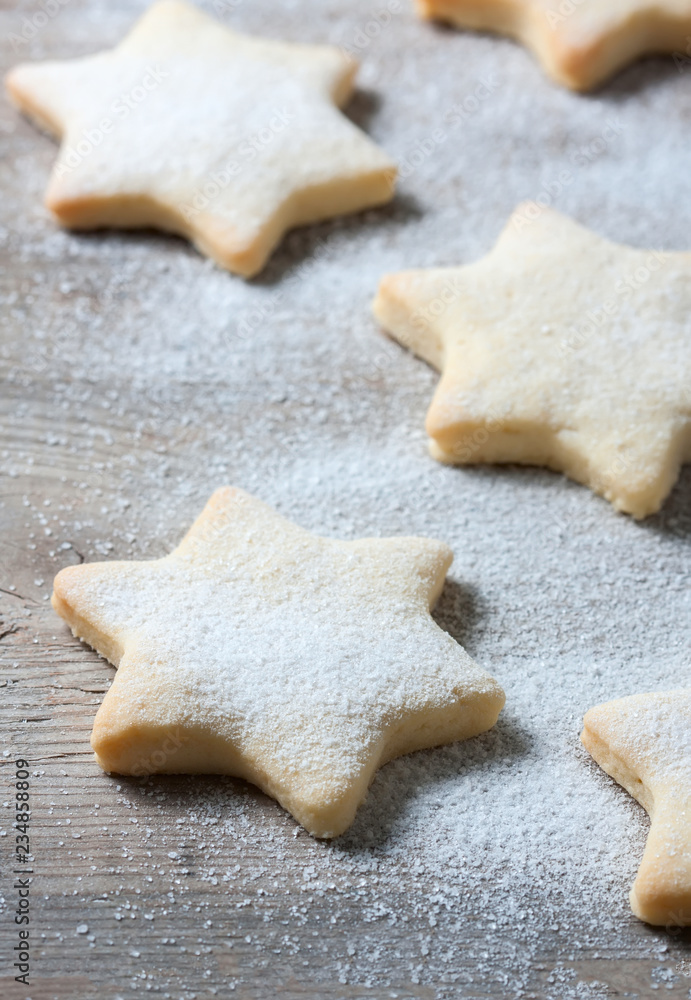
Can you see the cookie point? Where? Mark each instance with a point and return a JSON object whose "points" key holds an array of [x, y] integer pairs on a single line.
{"points": [[653, 905], [226, 496], [385, 292], [587, 738], [63, 580], [388, 283], [10, 78], [425, 8]]}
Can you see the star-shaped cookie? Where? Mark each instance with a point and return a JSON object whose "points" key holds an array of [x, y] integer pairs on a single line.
{"points": [[260, 650], [558, 349], [644, 742], [579, 43], [190, 127]]}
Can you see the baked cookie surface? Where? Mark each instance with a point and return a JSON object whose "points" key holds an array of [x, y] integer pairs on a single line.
{"points": [[192, 128], [644, 742], [259, 650], [561, 349], [579, 44]]}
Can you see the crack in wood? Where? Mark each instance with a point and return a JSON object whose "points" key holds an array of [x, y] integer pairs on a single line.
{"points": [[20, 597], [62, 756], [9, 631]]}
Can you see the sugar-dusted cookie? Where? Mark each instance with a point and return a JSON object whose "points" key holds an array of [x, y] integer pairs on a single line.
{"points": [[558, 349], [260, 650], [580, 43], [644, 742], [190, 127]]}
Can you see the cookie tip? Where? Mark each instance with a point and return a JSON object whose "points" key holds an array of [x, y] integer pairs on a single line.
{"points": [[655, 905]]}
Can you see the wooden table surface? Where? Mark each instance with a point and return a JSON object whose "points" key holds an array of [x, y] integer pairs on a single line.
{"points": [[135, 378]]}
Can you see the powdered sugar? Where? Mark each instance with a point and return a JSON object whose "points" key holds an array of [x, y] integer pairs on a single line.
{"points": [[269, 653]]}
